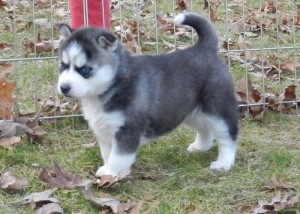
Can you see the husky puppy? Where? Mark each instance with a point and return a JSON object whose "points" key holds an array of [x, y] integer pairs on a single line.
{"points": [[128, 100]]}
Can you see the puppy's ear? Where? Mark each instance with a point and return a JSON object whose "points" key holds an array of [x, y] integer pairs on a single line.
{"points": [[65, 30], [108, 41]]}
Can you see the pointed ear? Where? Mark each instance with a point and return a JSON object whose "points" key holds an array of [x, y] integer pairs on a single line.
{"points": [[108, 42], [65, 31]]}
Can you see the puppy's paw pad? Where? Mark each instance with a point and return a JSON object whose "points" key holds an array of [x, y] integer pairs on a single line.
{"points": [[221, 166]]}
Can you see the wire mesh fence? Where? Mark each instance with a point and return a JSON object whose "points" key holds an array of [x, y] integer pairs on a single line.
{"points": [[259, 40]]}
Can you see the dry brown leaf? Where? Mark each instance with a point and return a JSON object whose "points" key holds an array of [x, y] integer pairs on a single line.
{"points": [[103, 202], [270, 7], [40, 197], [278, 205], [8, 143], [288, 65], [51, 208], [297, 20], [257, 111], [5, 68], [6, 100], [9, 129], [181, 4], [213, 16], [243, 45], [61, 178], [274, 183], [37, 131], [9, 182], [206, 5], [107, 202], [245, 86], [108, 180], [137, 208], [41, 46], [276, 102]]}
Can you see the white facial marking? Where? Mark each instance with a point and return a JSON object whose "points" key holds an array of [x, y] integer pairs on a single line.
{"points": [[80, 87], [80, 60], [65, 58], [73, 50]]}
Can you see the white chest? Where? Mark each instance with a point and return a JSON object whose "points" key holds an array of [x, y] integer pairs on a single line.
{"points": [[101, 122]]}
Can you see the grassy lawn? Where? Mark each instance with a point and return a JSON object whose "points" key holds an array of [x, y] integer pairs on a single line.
{"points": [[165, 177]]}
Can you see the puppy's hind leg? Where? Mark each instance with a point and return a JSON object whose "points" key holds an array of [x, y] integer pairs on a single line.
{"points": [[227, 146], [205, 136]]}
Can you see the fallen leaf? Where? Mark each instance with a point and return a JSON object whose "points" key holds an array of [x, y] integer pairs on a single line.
{"points": [[8, 143], [276, 102], [11, 183], [9, 129], [297, 20], [275, 182], [108, 180], [51, 208], [213, 16], [61, 178], [206, 5], [243, 45], [270, 7], [107, 202], [288, 65], [137, 208], [245, 86], [37, 131], [5, 68], [278, 205], [103, 202], [6, 100], [40, 197], [181, 4]]}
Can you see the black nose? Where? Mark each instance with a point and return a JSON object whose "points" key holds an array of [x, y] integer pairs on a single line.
{"points": [[65, 89]]}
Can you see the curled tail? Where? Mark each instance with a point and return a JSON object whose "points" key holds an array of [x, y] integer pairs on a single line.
{"points": [[206, 32]]}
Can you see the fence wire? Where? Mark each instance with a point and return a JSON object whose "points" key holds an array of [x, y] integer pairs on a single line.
{"points": [[258, 39]]}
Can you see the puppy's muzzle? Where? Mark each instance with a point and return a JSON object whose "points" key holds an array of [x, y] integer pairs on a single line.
{"points": [[65, 89]]}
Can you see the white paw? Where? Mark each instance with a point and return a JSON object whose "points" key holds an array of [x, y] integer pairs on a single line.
{"points": [[196, 147], [105, 170], [221, 165]]}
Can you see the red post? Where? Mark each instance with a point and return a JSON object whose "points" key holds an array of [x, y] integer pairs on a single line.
{"points": [[98, 13]]}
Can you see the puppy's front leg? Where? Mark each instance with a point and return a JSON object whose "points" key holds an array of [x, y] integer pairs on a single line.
{"points": [[122, 154]]}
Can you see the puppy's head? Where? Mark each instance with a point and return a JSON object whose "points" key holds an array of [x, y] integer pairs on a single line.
{"points": [[88, 58]]}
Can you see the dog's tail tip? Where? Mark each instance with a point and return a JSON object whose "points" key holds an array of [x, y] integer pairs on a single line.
{"points": [[179, 19], [203, 27]]}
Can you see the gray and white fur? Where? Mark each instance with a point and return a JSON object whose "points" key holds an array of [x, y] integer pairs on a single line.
{"points": [[128, 100]]}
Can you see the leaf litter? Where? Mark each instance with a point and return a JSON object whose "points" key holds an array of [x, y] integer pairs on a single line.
{"points": [[279, 204], [108, 202], [45, 203], [276, 183], [12, 183], [61, 178]]}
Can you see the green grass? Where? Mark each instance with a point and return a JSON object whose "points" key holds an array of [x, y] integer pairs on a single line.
{"points": [[165, 176], [164, 171]]}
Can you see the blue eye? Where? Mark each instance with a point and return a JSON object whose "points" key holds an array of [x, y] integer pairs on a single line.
{"points": [[85, 71]]}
